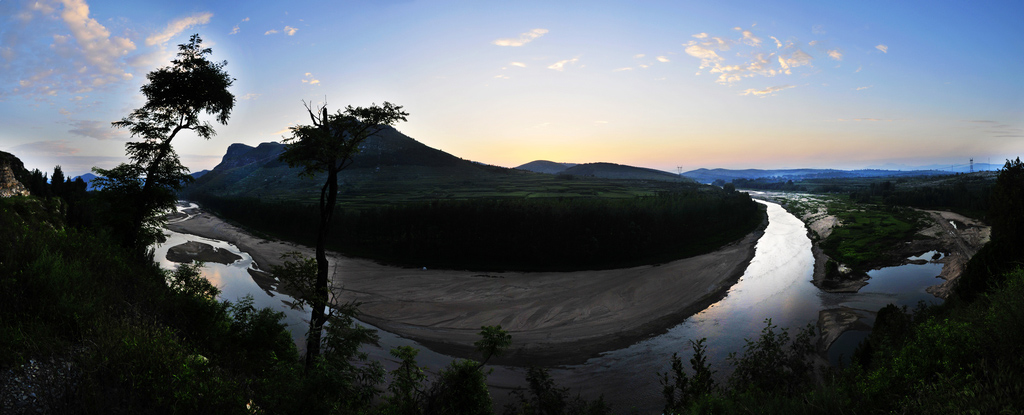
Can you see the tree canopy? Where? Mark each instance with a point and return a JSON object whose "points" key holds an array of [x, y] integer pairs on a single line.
{"points": [[176, 97]]}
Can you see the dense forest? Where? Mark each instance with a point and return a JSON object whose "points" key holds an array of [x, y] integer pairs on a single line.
{"points": [[531, 234]]}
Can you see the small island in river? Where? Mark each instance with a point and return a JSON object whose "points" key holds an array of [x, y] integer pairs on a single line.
{"points": [[198, 251]]}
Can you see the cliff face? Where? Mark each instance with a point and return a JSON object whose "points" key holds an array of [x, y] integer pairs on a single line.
{"points": [[9, 185]]}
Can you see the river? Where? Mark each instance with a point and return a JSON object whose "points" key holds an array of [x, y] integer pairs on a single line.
{"points": [[776, 285]]}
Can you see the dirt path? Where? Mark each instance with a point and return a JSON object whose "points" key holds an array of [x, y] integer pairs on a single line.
{"points": [[554, 317]]}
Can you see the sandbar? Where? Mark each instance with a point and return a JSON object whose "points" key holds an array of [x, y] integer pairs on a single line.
{"points": [[555, 318]]}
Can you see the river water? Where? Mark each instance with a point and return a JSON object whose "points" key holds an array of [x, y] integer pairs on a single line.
{"points": [[776, 285]]}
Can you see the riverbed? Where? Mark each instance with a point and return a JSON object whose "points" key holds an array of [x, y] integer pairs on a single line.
{"points": [[776, 285]]}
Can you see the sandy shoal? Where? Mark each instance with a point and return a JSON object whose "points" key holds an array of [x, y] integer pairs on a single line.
{"points": [[554, 317]]}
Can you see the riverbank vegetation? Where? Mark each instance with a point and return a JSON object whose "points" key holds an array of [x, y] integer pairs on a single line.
{"points": [[515, 233], [102, 331]]}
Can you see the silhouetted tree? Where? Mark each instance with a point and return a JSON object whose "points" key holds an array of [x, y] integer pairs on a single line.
{"points": [[57, 181], [176, 97], [328, 146]]}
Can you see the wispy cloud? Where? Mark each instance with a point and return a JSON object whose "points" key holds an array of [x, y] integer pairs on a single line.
{"points": [[100, 130], [270, 32], [249, 96], [835, 54], [663, 59], [522, 39], [177, 26], [90, 57], [883, 48], [868, 119], [818, 29], [46, 148], [290, 30], [778, 44], [519, 64], [622, 69], [560, 65], [861, 88], [750, 39], [639, 55], [310, 80], [236, 29], [767, 91]]}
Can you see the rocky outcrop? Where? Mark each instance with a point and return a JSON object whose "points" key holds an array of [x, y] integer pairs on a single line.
{"points": [[9, 185]]}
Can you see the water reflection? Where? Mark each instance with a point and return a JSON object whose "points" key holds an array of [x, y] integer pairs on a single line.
{"points": [[775, 285]]}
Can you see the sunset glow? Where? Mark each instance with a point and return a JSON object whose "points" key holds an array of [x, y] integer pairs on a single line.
{"points": [[652, 84]]}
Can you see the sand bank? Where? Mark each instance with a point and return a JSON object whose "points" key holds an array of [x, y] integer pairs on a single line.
{"points": [[554, 317]]}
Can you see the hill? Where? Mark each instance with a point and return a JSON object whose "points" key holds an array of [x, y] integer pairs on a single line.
{"points": [[386, 163], [544, 166], [620, 171]]}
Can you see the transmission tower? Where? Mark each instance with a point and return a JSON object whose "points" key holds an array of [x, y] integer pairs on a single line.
{"points": [[972, 165], [680, 169]]}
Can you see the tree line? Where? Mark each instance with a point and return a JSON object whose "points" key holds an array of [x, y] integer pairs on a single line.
{"points": [[516, 233]]}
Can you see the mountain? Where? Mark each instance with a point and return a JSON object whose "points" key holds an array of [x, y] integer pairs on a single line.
{"points": [[620, 171], [387, 162], [710, 175], [544, 166], [199, 174], [87, 178], [599, 170]]}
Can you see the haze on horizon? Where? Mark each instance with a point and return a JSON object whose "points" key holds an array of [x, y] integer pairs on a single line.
{"points": [[660, 85]]}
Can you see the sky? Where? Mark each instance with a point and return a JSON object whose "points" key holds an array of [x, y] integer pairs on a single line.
{"points": [[666, 85]]}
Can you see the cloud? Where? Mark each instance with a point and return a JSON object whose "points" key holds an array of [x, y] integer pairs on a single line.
{"points": [[519, 64], [767, 91], [859, 68], [560, 65], [663, 59], [234, 30], [750, 39], [622, 69], [100, 130], [46, 148], [310, 80], [102, 53], [178, 26], [861, 88], [282, 131], [883, 48], [522, 39], [778, 44], [818, 29], [835, 54], [708, 57], [502, 76], [870, 119], [290, 30], [270, 32], [250, 96], [701, 35], [793, 60]]}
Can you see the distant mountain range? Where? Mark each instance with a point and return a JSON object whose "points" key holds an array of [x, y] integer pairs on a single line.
{"points": [[710, 175]]}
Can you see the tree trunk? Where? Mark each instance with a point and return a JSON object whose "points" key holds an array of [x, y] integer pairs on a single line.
{"points": [[328, 197]]}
